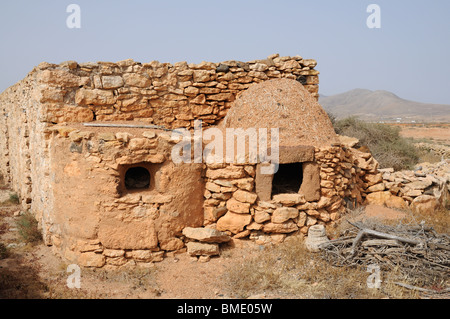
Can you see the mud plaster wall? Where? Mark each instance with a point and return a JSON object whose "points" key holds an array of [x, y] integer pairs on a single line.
{"points": [[95, 220]]}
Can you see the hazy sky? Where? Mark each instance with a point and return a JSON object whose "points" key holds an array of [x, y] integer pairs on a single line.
{"points": [[409, 55]]}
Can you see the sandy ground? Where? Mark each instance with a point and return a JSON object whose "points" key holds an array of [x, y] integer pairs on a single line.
{"points": [[437, 132], [385, 213], [36, 272]]}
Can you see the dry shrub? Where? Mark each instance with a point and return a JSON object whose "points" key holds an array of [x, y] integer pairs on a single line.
{"points": [[3, 251], [28, 228], [385, 142], [136, 277], [20, 280], [439, 219], [13, 200], [3, 228], [429, 157], [125, 280]]}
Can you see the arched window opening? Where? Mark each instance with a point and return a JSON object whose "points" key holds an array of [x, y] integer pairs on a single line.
{"points": [[137, 178]]}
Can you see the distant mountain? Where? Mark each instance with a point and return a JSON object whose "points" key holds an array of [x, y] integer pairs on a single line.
{"points": [[383, 106]]}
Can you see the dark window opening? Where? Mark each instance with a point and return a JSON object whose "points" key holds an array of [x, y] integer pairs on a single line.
{"points": [[137, 178], [287, 179], [302, 79]]}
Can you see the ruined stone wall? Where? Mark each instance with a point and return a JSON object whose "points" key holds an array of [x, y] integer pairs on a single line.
{"points": [[232, 204], [4, 148], [24, 157], [16, 106], [348, 178], [158, 93], [426, 189]]}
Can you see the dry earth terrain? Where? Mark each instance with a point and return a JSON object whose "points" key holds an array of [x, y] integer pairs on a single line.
{"points": [[33, 271], [433, 139], [439, 133]]}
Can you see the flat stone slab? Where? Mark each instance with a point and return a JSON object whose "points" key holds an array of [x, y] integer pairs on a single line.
{"points": [[207, 235], [202, 249]]}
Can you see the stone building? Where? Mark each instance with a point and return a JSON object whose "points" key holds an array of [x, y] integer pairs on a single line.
{"points": [[88, 148]]}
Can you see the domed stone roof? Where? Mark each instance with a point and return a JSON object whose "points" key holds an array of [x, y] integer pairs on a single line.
{"points": [[283, 104]]}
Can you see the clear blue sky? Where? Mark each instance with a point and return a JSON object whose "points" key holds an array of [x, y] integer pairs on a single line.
{"points": [[409, 55]]}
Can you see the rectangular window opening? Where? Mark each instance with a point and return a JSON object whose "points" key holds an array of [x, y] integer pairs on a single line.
{"points": [[288, 179]]}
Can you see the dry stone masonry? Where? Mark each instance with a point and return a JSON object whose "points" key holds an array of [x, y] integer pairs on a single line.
{"points": [[112, 195], [426, 189], [158, 93]]}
